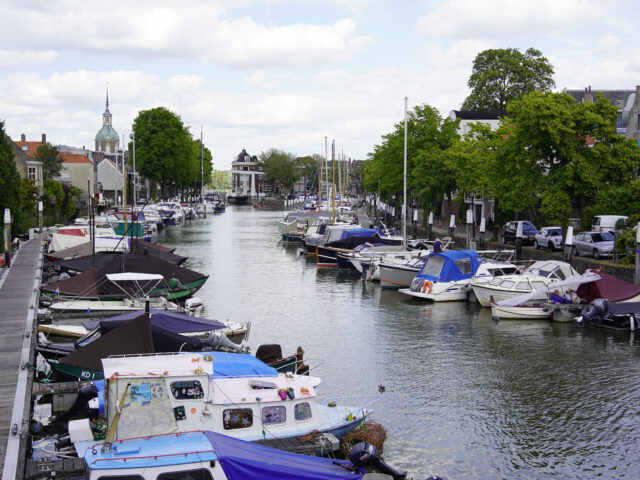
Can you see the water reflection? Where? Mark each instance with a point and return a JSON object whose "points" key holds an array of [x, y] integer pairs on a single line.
{"points": [[466, 396]]}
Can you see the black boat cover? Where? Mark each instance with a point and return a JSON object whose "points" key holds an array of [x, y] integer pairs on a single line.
{"points": [[93, 281]]}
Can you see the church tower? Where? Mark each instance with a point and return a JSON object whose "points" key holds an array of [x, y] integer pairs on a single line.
{"points": [[107, 139]]}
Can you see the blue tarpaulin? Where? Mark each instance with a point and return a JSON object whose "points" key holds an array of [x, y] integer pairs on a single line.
{"points": [[450, 266], [239, 365], [249, 461], [360, 232]]}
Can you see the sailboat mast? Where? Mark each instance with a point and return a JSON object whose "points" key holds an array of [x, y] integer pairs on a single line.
{"points": [[326, 161], [333, 181], [404, 197]]}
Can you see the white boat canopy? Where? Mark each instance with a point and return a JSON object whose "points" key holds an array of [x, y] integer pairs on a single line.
{"points": [[543, 293], [134, 277]]}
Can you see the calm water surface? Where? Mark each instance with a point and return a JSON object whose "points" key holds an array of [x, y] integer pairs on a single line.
{"points": [[466, 397]]}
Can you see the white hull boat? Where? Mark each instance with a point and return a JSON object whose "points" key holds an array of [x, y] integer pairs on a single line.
{"points": [[521, 312]]}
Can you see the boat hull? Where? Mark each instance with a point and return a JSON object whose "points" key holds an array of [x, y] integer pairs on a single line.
{"points": [[451, 294], [521, 312], [396, 276]]}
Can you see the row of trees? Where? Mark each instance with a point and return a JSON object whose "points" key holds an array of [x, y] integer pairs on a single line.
{"points": [[551, 158], [168, 155], [285, 168]]}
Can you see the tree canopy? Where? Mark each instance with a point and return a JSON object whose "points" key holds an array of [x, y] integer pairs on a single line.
{"points": [[166, 152], [279, 166], [502, 75], [51, 162], [10, 184]]}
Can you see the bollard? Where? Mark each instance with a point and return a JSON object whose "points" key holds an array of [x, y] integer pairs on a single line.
{"points": [[482, 230], [40, 210], [469, 224], [568, 245], [452, 227], [7, 237], [430, 227], [519, 241]]}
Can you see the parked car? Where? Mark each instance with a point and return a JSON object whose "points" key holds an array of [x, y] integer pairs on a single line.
{"points": [[597, 244], [509, 230], [609, 223], [549, 237]]}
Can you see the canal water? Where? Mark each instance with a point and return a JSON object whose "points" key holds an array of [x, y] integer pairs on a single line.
{"points": [[465, 397]]}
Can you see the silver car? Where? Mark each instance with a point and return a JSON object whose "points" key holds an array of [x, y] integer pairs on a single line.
{"points": [[598, 244], [549, 237]]}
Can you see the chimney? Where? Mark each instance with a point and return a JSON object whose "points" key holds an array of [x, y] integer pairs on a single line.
{"points": [[23, 137], [44, 138]]}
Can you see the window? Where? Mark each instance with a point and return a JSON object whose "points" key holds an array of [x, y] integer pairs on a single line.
{"points": [[508, 284], [464, 265], [522, 285], [302, 411], [434, 265], [199, 474], [120, 477], [187, 390], [274, 415], [31, 173], [234, 418]]}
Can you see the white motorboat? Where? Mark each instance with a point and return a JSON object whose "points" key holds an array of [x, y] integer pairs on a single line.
{"points": [[231, 393], [521, 312], [536, 276]]}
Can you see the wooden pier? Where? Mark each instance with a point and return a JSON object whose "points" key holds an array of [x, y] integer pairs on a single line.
{"points": [[19, 291]]}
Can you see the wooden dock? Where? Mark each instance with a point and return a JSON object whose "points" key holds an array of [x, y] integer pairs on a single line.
{"points": [[19, 290]]}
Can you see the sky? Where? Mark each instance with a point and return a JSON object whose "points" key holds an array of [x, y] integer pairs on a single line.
{"points": [[261, 74]]}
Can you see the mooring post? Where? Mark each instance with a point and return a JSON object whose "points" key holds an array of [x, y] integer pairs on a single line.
{"points": [[568, 244], [7, 237], [430, 227], [40, 221], [483, 228], [519, 240], [469, 225], [452, 228]]}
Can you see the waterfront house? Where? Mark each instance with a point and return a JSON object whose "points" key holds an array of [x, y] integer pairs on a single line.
{"points": [[24, 155]]}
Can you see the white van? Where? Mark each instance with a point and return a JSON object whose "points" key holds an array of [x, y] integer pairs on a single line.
{"points": [[609, 223]]}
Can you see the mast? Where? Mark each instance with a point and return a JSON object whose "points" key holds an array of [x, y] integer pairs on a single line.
{"points": [[135, 178], [326, 161], [202, 174], [124, 188], [404, 197], [333, 181]]}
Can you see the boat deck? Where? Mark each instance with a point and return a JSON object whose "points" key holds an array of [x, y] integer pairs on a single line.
{"points": [[19, 289]]}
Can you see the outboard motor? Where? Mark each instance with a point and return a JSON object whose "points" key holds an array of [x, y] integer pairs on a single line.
{"points": [[595, 312], [364, 455], [218, 340]]}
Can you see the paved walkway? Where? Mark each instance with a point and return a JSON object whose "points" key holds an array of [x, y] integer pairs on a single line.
{"points": [[18, 310]]}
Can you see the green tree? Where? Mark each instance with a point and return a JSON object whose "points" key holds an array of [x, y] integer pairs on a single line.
{"points": [[279, 166], [10, 194], [557, 155], [502, 75], [164, 149], [51, 162]]}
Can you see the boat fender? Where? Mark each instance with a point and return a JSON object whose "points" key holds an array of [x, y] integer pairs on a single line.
{"points": [[428, 286]]}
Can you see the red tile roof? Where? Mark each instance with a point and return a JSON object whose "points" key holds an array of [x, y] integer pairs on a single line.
{"points": [[31, 147], [68, 157]]}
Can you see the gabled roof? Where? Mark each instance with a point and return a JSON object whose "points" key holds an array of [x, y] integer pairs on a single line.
{"points": [[68, 157], [30, 148], [478, 115], [17, 150]]}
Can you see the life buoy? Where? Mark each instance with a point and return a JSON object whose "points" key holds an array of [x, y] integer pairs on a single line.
{"points": [[427, 285]]}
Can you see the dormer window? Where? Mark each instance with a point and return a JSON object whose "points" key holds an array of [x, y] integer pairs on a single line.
{"points": [[25, 148]]}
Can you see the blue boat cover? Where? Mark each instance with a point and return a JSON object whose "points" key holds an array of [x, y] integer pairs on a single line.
{"points": [[360, 232], [450, 266], [227, 364], [249, 461], [171, 321]]}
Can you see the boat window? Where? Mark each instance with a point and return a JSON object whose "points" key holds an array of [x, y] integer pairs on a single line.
{"points": [[557, 273], [508, 271], [464, 265], [538, 285], [434, 265], [199, 474], [508, 284], [302, 411], [187, 390], [233, 418], [120, 477], [496, 281], [274, 415], [522, 285]]}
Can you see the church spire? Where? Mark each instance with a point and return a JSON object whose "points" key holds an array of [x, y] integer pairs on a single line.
{"points": [[106, 116]]}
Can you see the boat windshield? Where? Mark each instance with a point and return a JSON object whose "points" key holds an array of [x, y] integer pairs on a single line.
{"points": [[434, 265]]}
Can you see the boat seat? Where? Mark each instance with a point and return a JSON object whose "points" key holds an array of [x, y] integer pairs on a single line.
{"points": [[269, 352]]}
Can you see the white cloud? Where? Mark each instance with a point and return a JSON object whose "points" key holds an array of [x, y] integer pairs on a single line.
{"points": [[159, 30], [506, 18], [11, 59], [259, 80]]}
